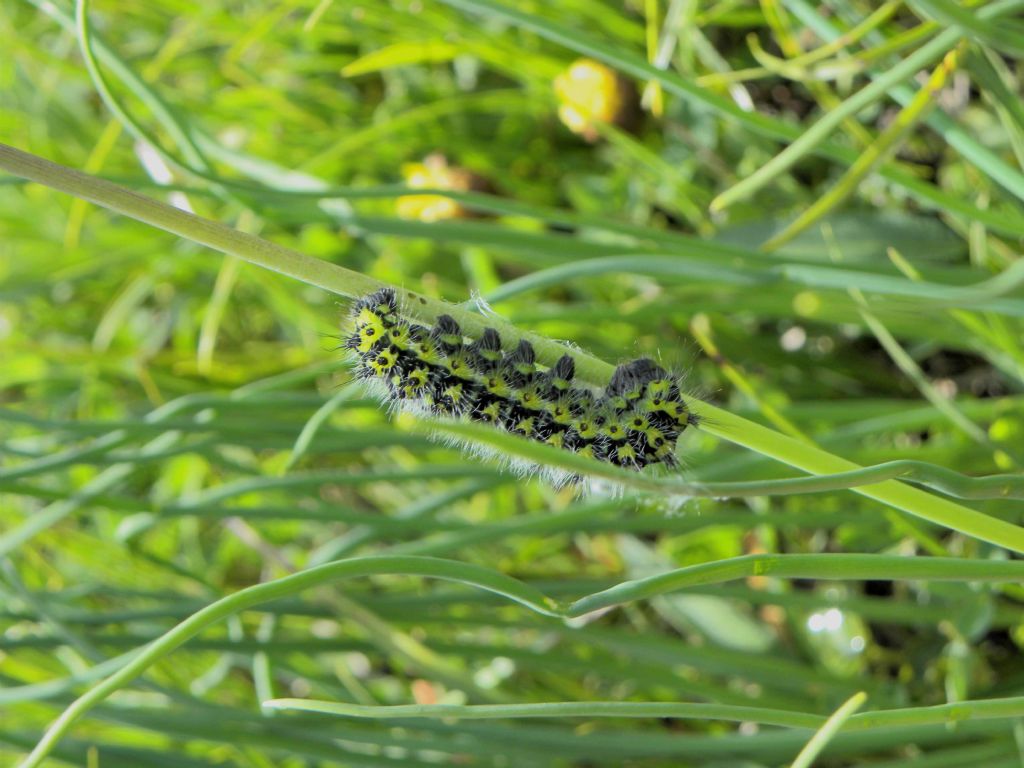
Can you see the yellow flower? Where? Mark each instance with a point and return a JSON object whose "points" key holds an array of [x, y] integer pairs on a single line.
{"points": [[433, 173], [590, 93]]}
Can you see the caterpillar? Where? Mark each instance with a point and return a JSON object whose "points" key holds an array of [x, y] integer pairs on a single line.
{"points": [[634, 422]]}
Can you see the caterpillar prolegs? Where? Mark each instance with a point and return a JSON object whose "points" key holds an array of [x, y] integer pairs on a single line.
{"points": [[634, 422]]}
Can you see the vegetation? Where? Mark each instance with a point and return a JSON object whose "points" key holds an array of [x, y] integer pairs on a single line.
{"points": [[217, 549]]}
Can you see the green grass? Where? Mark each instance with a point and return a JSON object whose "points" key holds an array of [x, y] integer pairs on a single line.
{"points": [[214, 550]]}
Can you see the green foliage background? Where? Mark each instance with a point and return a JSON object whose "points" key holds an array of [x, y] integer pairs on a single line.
{"points": [[178, 425]]}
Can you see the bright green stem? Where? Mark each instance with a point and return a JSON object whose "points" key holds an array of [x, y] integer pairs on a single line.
{"points": [[812, 459], [348, 283]]}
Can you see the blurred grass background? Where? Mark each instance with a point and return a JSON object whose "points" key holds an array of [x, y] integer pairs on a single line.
{"points": [[178, 425]]}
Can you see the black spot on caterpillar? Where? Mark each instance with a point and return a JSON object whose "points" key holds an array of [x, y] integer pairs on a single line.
{"points": [[634, 422]]}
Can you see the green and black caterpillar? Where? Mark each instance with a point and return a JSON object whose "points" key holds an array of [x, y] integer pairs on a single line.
{"points": [[634, 422]]}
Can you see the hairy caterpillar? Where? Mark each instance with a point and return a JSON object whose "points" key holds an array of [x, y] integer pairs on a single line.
{"points": [[634, 422]]}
